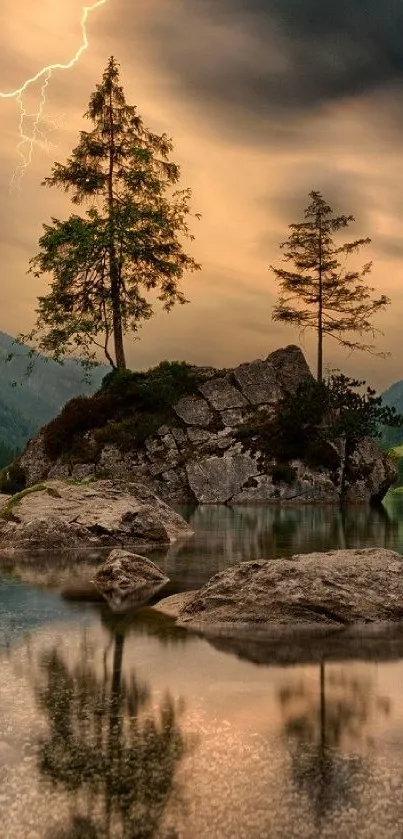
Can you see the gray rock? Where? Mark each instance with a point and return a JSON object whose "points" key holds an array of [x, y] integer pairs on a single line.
{"points": [[258, 382], [83, 470], [179, 435], [194, 410], [290, 366], [173, 604], [217, 443], [214, 480], [35, 462], [222, 395], [127, 580], [198, 435], [337, 589], [371, 473], [258, 490], [42, 534], [232, 417], [308, 487], [61, 515]]}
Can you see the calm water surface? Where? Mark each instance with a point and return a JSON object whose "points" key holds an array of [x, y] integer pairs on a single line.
{"points": [[130, 728]]}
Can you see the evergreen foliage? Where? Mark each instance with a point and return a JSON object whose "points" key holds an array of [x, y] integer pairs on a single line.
{"points": [[317, 291], [128, 243], [7, 455], [318, 413]]}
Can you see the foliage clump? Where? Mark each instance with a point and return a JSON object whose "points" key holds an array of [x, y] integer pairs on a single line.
{"points": [[7, 455], [306, 423], [128, 408], [7, 513], [283, 473], [13, 479]]}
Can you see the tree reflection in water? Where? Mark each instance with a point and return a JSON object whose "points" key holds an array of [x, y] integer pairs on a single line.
{"points": [[325, 730], [108, 747]]}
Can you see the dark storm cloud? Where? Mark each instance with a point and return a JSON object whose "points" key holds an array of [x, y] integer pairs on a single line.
{"points": [[345, 194], [282, 55]]}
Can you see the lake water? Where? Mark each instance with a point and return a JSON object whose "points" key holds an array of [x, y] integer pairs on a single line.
{"points": [[130, 728]]}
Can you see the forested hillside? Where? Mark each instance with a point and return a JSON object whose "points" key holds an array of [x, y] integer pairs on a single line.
{"points": [[29, 401], [393, 397]]}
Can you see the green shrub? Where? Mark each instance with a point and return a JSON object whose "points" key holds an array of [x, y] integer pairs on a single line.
{"points": [[283, 473], [7, 513], [128, 405], [7, 455], [156, 389], [306, 422], [13, 479]]}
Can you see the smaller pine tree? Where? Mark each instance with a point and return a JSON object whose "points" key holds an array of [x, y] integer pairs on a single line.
{"points": [[318, 292]]}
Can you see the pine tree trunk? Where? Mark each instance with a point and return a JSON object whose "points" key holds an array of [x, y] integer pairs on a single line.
{"points": [[320, 348], [320, 306], [120, 358]]}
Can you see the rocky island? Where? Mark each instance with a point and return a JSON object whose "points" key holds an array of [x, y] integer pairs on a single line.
{"points": [[202, 435]]}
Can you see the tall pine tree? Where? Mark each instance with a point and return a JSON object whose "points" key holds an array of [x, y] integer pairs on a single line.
{"points": [[129, 242], [318, 292]]}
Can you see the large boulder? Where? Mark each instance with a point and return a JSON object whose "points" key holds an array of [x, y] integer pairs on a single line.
{"points": [[222, 395], [127, 580], [290, 366], [215, 480], [258, 382], [370, 473], [194, 410], [336, 589], [64, 515]]}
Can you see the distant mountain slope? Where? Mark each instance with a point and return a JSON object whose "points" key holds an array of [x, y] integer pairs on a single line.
{"points": [[393, 397], [39, 397]]}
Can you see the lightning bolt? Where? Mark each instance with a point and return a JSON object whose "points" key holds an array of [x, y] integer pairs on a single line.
{"points": [[29, 138]]}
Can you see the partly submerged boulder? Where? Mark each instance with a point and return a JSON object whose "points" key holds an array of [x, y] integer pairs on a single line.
{"points": [[64, 515], [127, 580], [337, 589]]}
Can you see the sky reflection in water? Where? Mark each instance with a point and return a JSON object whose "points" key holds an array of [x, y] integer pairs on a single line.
{"points": [[132, 728]]}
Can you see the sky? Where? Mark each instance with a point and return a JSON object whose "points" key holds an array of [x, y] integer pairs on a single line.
{"points": [[265, 100]]}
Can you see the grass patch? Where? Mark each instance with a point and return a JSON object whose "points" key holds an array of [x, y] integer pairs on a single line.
{"points": [[7, 513]]}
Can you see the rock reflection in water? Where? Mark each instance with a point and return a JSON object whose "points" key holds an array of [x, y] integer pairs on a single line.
{"points": [[109, 748], [327, 731], [227, 535]]}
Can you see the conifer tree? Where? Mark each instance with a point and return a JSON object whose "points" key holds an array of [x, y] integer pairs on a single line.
{"points": [[128, 243], [319, 292]]}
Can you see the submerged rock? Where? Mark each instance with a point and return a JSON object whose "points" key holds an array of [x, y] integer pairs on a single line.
{"points": [[64, 515], [127, 580], [336, 589]]}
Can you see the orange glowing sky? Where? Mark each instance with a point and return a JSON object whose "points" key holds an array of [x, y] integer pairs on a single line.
{"points": [[265, 100]]}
